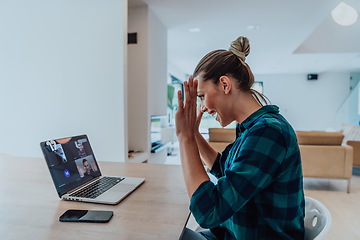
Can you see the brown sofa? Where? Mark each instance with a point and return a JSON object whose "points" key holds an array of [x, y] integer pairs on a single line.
{"points": [[323, 156], [356, 151], [219, 138]]}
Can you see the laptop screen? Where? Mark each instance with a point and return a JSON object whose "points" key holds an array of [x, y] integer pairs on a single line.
{"points": [[71, 162]]}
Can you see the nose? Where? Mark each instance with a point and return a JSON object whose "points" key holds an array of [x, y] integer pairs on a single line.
{"points": [[203, 108]]}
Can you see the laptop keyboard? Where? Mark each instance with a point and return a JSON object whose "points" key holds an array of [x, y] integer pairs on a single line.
{"points": [[98, 187]]}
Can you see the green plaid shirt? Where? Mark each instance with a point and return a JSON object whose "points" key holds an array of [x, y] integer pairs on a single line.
{"points": [[259, 193]]}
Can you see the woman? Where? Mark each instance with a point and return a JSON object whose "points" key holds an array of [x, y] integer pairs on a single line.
{"points": [[259, 192]]}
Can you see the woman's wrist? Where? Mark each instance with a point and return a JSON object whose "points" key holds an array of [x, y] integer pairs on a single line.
{"points": [[185, 137], [198, 135]]}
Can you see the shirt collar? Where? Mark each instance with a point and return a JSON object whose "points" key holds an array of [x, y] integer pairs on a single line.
{"points": [[254, 116]]}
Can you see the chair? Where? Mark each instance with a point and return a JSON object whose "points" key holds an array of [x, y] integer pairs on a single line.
{"points": [[317, 220]]}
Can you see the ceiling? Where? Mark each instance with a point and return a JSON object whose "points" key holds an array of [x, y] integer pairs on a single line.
{"points": [[286, 36]]}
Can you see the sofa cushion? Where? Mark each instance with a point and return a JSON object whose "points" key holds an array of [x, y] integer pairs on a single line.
{"points": [[227, 135], [218, 146], [319, 138], [326, 161]]}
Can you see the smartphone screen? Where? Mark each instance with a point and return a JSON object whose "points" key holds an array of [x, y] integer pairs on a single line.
{"points": [[97, 216]]}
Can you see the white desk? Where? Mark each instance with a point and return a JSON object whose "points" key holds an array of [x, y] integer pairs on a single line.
{"points": [[30, 207]]}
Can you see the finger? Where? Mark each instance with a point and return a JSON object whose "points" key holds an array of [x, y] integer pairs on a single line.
{"points": [[191, 82], [193, 98], [180, 100], [187, 93], [195, 86], [193, 89], [190, 100]]}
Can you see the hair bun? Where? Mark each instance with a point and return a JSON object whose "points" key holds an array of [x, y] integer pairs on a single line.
{"points": [[240, 47]]}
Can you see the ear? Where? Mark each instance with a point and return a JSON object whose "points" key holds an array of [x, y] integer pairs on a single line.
{"points": [[225, 84]]}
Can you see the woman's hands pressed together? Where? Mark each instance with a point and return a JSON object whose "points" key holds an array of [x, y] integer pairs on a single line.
{"points": [[186, 119], [187, 123]]}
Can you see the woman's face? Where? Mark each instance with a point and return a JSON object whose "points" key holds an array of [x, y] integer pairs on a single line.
{"points": [[214, 101]]}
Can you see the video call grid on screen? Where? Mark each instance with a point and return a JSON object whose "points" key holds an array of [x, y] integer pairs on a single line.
{"points": [[71, 163]]}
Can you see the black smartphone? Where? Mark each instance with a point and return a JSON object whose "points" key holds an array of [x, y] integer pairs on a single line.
{"points": [[96, 216]]}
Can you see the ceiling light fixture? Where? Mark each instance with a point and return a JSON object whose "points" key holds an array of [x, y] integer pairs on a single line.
{"points": [[193, 30], [344, 15], [253, 27]]}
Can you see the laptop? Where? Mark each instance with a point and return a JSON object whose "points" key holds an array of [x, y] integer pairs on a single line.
{"points": [[76, 173]]}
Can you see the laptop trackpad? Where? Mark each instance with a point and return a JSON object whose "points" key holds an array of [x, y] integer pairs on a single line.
{"points": [[116, 193], [121, 187]]}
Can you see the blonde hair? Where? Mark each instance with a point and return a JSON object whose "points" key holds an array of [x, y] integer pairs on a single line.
{"points": [[231, 63]]}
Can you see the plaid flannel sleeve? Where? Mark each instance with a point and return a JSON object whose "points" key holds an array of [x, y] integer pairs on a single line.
{"points": [[218, 167], [254, 166]]}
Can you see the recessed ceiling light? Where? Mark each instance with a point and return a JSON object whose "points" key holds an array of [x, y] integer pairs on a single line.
{"points": [[344, 14], [193, 30], [253, 27]]}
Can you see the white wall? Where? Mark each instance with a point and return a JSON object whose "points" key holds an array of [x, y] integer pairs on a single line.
{"points": [[62, 72], [157, 66], [307, 105], [176, 72], [147, 75], [138, 80], [349, 111]]}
